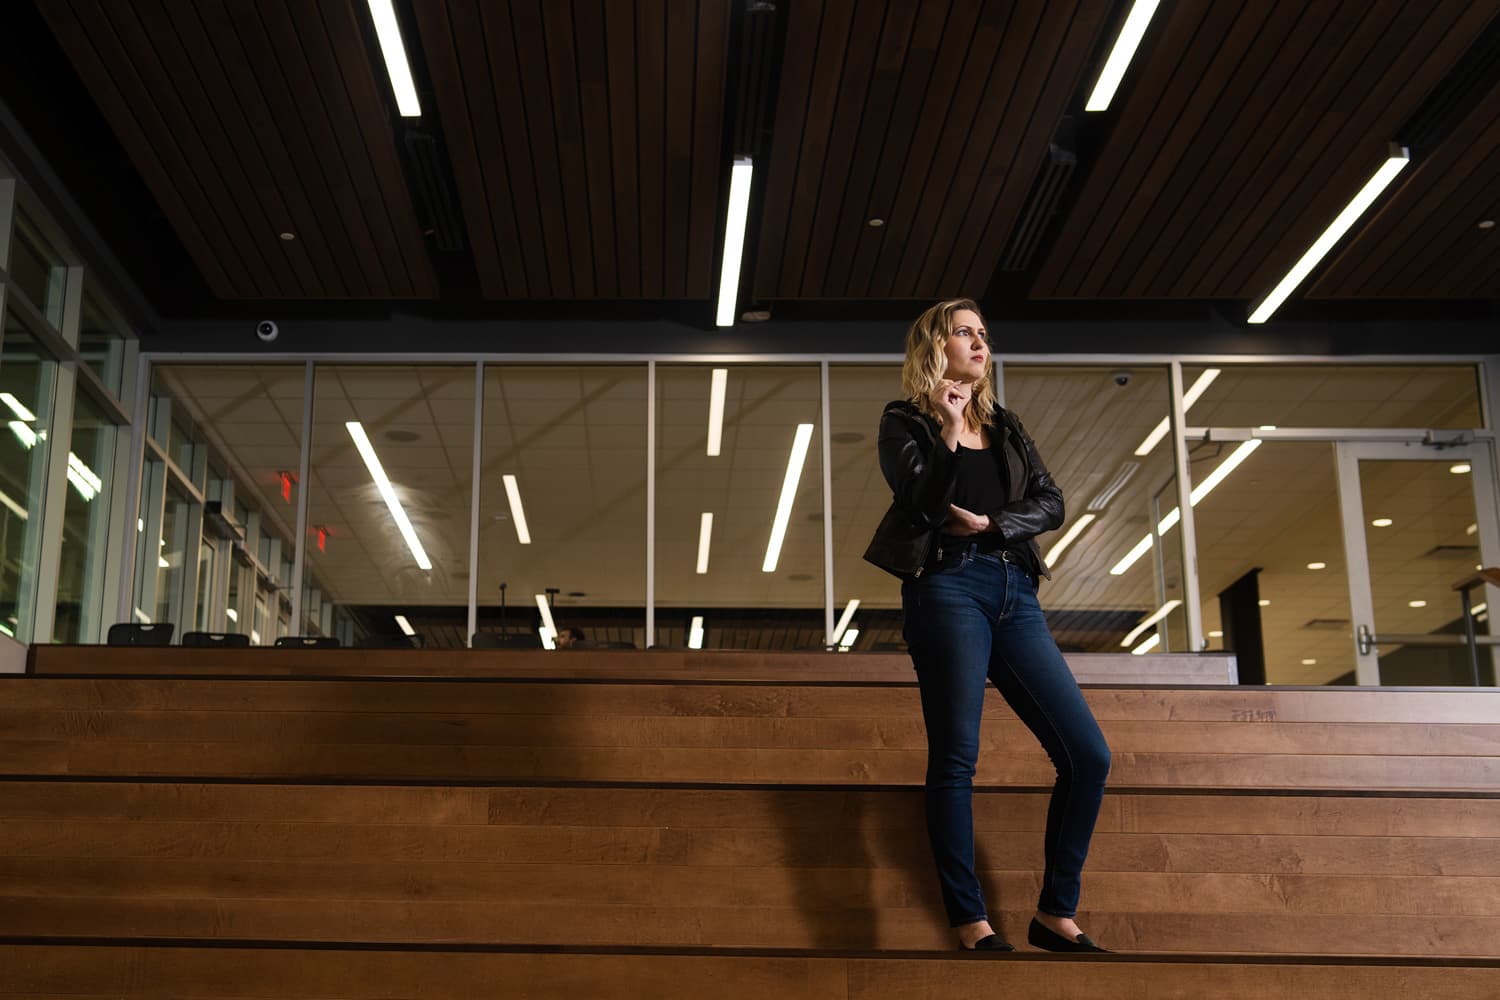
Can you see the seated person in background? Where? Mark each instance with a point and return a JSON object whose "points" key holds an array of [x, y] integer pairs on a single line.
{"points": [[572, 638]]}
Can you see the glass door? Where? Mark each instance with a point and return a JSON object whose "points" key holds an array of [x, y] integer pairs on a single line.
{"points": [[1419, 523]]}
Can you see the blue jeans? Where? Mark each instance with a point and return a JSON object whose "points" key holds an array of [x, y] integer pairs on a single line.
{"points": [[980, 618]]}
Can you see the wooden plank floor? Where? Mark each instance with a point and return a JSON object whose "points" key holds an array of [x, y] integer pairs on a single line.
{"points": [[731, 867], [151, 973], [455, 730], [642, 664]]}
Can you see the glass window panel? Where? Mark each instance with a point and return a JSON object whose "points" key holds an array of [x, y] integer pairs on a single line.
{"points": [[205, 585], [101, 342], [91, 483], [253, 414], [1271, 529], [27, 382], [171, 548], [1117, 571], [574, 439], [37, 269], [1435, 396], [1431, 543], [743, 605], [419, 425]]}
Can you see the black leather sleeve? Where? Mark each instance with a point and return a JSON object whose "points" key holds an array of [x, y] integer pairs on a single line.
{"points": [[1041, 509], [921, 474]]}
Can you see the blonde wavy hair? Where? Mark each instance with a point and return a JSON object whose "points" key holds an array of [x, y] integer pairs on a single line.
{"points": [[926, 363]]}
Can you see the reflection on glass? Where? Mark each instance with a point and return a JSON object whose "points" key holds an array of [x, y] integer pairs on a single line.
{"points": [[563, 503], [81, 565], [389, 493], [27, 382], [1428, 545], [253, 417], [101, 341], [1098, 432], [1435, 396], [762, 587], [37, 269], [171, 550], [1270, 532]]}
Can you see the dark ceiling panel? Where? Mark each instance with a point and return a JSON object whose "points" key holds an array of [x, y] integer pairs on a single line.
{"points": [[1246, 129], [1425, 242], [932, 117], [250, 120], [585, 138]]}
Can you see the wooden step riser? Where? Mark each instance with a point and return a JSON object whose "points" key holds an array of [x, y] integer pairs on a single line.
{"points": [[155, 973], [831, 812], [1001, 732], [380, 762], [623, 698]]}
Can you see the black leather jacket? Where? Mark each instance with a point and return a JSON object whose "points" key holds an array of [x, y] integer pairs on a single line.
{"points": [[921, 472]]}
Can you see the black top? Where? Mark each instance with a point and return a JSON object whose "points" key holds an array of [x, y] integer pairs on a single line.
{"points": [[979, 487]]}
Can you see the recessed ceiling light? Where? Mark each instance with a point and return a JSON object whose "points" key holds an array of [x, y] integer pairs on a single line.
{"points": [[1382, 522], [1416, 604], [1317, 565], [288, 236], [876, 223], [1265, 602], [1459, 469], [1487, 224], [1309, 662]]}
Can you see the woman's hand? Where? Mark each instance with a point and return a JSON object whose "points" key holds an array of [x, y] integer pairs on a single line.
{"points": [[950, 398], [961, 523]]}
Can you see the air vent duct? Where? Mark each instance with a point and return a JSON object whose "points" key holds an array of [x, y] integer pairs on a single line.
{"points": [[1459, 93], [432, 191], [1042, 204], [1115, 485], [756, 79]]}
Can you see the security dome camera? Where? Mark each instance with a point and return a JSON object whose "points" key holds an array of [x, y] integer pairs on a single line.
{"points": [[267, 330], [1121, 377]]}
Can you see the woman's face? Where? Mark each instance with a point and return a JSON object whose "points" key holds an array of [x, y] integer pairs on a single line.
{"points": [[967, 349]]}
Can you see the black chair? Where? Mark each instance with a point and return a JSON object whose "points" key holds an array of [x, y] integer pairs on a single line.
{"points": [[135, 634], [217, 640], [505, 640], [308, 642]]}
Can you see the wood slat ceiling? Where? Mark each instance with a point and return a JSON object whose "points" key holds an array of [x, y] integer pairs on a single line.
{"points": [[1246, 129], [250, 120], [1425, 241], [933, 117], [585, 139]]}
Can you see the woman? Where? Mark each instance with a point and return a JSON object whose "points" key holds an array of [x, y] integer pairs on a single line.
{"points": [[971, 495]]}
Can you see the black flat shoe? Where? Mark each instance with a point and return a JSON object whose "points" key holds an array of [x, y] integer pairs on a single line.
{"points": [[1047, 939], [990, 942]]}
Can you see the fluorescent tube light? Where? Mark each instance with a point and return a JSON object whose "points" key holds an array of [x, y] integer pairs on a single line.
{"points": [[695, 633], [14, 507], [405, 625], [25, 434], [396, 65], [517, 513], [377, 472], [734, 239], [1147, 646], [232, 614], [1068, 538], [1200, 384], [1160, 613], [1129, 39], [546, 610], [838, 629], [17, 407], [1479, 608], [705, 536], [1202, 490], [1381, 179], [847, 643], [83, 478], [548, 637], [788, 492], [716, 391]]}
